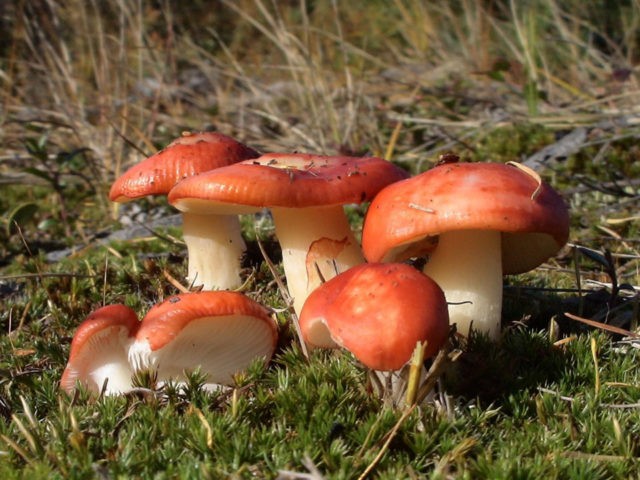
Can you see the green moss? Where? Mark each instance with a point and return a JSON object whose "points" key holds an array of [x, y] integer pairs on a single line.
{"points": [[511, 143]]}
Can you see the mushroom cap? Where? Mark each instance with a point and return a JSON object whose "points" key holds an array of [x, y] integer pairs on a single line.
{"points": [[220, 332], [99, 350], [286, 180], [405, 218], [186, 156], [377, 311]]}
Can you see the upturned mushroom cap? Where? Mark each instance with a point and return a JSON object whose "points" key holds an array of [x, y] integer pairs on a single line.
{"points": [[219, 332], [405, 218], [378, 312], [286, 180], [186, 156], [99, 351]]}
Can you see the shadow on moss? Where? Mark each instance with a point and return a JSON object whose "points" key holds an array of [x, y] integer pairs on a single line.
{"points": [[490, 371]]}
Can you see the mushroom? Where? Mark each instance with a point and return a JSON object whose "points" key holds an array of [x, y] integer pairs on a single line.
{"points": [[219, 332], [379, 312], [306, 194], [214, 243], [99, 351], [475, 222]]}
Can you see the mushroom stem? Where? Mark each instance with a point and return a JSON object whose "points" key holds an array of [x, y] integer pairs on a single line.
{"points": [[297, 231], [117, 373], [99, 351], [215, 247], [468, 266]]}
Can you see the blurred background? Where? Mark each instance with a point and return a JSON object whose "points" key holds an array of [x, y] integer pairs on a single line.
{"points": [[88, 88]]}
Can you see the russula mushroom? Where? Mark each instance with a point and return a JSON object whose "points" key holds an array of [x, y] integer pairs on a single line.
{"points": [[379, 312], [306, 194], [475, 222], [99, 351], [214, 243], [219, 332]]}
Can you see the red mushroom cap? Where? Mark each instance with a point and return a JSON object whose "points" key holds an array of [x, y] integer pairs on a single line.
{"points": [[219, 331], [287, 180], [378, 312], [184, 157], [99, 350], [405, 218]]}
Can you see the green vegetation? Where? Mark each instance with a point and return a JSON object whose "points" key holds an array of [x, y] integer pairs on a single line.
{"points": [[89, 88]]}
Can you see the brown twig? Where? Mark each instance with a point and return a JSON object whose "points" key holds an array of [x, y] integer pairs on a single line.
{"points": [[173, 281], [390, 436], [602, 326]]}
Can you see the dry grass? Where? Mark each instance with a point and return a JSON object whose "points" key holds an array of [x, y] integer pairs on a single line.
{"points": [[324, 76]]}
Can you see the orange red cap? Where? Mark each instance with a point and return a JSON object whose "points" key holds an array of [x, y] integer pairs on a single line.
{"points": [[184, 157], [287, 180], [405, 218]]}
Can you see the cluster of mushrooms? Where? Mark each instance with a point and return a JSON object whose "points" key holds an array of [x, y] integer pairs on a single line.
{"points": [[474, 222]]}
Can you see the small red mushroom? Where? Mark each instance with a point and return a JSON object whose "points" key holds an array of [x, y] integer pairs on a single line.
{"points": [[379, 312], [214, 243], [475, 222]]}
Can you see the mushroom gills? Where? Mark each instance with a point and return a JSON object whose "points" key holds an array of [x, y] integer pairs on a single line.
{"points": [[218, 346], [106, 359]]}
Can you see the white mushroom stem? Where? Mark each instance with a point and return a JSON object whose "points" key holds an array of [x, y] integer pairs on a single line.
{"points": [[297, 229], [102, 357], [215, 247], [117, 373], [467, 265]]}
